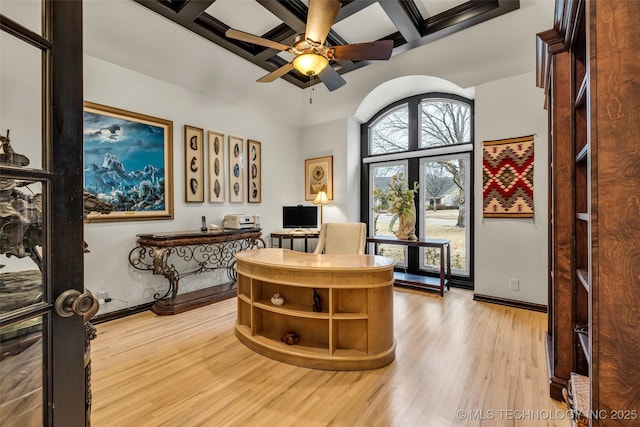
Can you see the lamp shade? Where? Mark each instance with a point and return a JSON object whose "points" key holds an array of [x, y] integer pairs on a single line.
{"points": [[310, 64], [321, 199]]}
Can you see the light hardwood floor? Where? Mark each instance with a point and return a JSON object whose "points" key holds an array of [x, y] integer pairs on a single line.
{"points": [[458, 362]]}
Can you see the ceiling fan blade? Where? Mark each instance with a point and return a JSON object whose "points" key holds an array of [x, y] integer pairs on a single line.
{"points": [[331, 79], [250, 38], [276, 73], [320, 18], [381, 50]]}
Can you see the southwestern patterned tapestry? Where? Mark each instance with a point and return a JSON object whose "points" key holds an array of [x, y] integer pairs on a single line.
{"points": [[507, 178]]}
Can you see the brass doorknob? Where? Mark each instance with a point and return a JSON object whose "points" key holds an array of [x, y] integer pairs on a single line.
{"points": [[72, 302]]}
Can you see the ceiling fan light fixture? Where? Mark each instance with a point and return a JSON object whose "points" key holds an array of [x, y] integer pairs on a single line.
{"points": [[310, 64]]}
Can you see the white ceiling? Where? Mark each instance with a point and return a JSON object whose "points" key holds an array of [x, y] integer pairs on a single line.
{"points": [[127, 34]]}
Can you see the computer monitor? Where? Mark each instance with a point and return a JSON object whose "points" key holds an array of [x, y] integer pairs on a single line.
{"points": [[300, 216]]}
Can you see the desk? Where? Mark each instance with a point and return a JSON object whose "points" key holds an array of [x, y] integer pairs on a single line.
{"points": [[208, 250], [353, 330], [293, 235], [414, 279]]}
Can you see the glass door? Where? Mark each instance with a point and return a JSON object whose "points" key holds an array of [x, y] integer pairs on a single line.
{"points": [[42, 353], [384, 223], [446, 203]]}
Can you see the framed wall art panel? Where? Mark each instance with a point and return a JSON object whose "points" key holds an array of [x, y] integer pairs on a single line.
{"points": [[254, 171], [128, 163], [215, 147], [318, 177], [236, 170], [194, 164]]}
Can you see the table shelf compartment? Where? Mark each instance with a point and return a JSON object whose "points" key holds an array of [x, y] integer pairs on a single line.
{"points": [[350, 335], [312, 332], [271, 341], [244, 286], [290, 309], [349, 301], [295, 298], [244, 312]]}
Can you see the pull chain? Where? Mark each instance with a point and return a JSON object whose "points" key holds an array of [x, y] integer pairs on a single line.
{"points": [[311, 89]]}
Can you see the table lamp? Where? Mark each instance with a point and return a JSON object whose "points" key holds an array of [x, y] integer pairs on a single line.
{"points": [[321, 199]]}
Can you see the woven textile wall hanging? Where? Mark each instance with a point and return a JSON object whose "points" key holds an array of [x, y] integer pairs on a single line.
{"points": [[507, 178]]}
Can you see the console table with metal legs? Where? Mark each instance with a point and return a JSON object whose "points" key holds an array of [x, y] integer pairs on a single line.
{"points": [[166, 253], [413, 279]]}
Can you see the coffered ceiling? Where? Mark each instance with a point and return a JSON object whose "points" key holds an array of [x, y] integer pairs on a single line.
{"points": [[407, 23]]}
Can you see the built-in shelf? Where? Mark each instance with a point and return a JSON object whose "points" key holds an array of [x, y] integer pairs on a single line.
{"points": [[589, 88], [583, 277], [583, 338], [350, 316], [584, 343], [582, 92], [296, 310], [582, 155]]}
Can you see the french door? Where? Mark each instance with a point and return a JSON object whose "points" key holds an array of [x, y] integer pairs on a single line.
{"points": [[445, 203], [42, 375], [384, 223]]}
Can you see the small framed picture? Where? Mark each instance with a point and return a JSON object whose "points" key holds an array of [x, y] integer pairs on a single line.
{"points": [[236, 169], [318, 177], [254, 171], [194, 164], [215, 147]]}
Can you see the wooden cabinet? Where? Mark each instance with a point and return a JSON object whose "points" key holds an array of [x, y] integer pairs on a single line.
{"points": [[588, 65], [354, 328]]}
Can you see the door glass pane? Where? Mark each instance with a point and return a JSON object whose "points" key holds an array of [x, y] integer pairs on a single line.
{"points": [[27, 13], [385, 223], [444, 192], [21, 98], [390, 133], [21, 369], [21, 243]]}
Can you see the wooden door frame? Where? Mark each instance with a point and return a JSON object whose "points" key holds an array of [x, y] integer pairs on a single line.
{"points": [[65, 160]]}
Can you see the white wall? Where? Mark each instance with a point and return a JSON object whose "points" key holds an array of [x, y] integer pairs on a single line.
{"points": [[332, 139], [512, 248], [106, 266]]}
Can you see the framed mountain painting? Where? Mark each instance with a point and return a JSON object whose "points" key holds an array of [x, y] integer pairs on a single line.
{"points": [[128, 162]]}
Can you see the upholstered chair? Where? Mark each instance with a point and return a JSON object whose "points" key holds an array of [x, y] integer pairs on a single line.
{"points": [[342, 238]]}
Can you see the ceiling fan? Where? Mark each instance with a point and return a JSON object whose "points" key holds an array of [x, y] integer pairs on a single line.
{"points": [[312, 54]]}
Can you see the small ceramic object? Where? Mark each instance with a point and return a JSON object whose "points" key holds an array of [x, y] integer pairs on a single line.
{"points": [[277, 299], [290, 338]]}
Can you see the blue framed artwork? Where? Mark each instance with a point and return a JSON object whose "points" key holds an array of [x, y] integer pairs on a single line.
{"points": [[128, 163]]}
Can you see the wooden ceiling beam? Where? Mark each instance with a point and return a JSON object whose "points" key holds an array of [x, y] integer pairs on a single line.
{"points": [[194, 8], [405, 16]]}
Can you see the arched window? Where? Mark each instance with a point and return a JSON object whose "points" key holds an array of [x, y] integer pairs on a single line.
{"points": [[390, 133], [428, 139]]}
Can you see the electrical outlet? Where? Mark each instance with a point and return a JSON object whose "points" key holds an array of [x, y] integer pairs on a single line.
{"points": [[103, 296], [514, 284]]}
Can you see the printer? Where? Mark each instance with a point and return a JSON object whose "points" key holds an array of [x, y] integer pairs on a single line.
{"points": [[238, 221]]}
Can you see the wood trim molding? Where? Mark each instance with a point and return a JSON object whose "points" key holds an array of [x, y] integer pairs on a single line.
{"points": [[548, 43], [118, 314], [510, 302], [556, 384]]}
